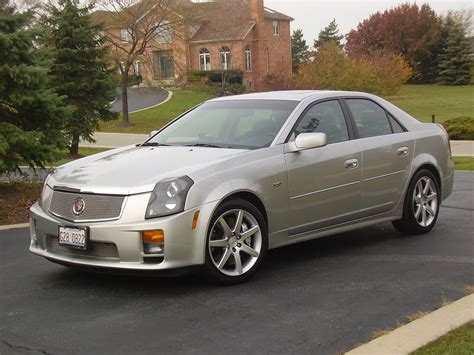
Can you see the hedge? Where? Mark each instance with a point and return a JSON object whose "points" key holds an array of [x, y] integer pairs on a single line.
{"points": [[460, 128]]}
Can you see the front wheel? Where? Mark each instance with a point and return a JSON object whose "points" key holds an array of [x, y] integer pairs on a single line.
{"points": [[421, 208], [237, 242]]}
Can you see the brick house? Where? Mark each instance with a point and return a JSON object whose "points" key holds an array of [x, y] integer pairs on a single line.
{"points": [[216, 35]]}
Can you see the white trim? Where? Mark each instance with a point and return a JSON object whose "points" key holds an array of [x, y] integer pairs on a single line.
{"points": [[14, 226]]}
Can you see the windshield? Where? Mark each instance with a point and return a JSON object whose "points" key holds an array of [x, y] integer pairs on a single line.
{"points": [[244, 124]]}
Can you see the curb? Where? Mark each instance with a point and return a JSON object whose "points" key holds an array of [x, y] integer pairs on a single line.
{"points": [[170, 96], [414, 335], [14, 226]]}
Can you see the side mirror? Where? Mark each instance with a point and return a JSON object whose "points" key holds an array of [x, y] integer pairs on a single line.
{"points": [[152, 133], [306, 141]]}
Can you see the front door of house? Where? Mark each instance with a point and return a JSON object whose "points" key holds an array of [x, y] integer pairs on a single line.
{"points": [[164, 65]]}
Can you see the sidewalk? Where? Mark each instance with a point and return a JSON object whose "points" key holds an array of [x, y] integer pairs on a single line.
{"points": [[462, 148], [115, 140]]}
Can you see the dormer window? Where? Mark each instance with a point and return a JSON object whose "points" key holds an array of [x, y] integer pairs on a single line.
{"points": [[276, 27]]}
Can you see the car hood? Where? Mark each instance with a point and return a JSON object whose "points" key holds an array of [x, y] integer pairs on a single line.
{"points": [[134, 170]]}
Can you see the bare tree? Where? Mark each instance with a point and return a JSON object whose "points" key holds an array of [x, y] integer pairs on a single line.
{"points": [[132, 29]]}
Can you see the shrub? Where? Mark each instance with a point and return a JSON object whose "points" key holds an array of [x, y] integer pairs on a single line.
{"points": [[217, 76], [382, 73], [233, 89], [460, 128]]}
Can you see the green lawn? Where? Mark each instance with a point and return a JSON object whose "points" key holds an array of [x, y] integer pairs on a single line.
{"points": [[464, 163], [82, 151], [457, 342], [422, 101], [153, 119]]}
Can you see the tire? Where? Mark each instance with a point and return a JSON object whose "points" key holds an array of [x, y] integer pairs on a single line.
{"points": [[421, 206], [233, 252]]}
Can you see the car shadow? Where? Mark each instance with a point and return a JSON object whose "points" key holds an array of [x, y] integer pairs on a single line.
{"points": [[285, 260]]}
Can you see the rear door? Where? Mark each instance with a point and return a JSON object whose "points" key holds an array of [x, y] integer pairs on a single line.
{"points": [[324, 183], [387, 153]]}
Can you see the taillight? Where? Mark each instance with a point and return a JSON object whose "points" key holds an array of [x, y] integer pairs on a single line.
{"points": [[447, 135]]}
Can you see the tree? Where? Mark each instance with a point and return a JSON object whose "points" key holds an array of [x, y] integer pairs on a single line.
{"points": [[299, 48], [454, 65], [329, 34], [133, 29], [31, 114], [382, 73], [412, 31], [80, 70]]}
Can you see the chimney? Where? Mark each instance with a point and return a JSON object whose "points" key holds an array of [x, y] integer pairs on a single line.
{"points": [[256, 10]]}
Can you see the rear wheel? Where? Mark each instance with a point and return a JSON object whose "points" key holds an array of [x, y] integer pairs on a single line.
{"points": [[237, 242], [421, 208]]}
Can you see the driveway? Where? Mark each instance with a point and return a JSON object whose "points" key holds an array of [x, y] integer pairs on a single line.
{"points": [[319, 297], [140, 98]]}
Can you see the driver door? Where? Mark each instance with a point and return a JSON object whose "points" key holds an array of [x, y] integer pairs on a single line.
{"points": [[324, 183]]}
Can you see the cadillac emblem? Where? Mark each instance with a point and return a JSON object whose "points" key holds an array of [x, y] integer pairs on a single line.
{"points": [[78, 206]]}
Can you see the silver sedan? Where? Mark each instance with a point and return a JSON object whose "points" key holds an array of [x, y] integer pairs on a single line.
{"points": [[236, 176]]}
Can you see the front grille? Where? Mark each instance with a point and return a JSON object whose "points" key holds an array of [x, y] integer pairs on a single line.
{"points": [[97, 207], [95, 249]]}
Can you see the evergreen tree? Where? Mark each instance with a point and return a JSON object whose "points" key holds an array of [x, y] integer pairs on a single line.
{"points": [[31, 114], [454, 62], [329, 34], [299, 48], [80, 70]]}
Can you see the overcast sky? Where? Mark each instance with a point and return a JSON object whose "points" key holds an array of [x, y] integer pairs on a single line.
{"points": [[313, 15]]}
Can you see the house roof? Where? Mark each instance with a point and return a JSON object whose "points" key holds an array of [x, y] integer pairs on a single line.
{"points": [[219, 20]]}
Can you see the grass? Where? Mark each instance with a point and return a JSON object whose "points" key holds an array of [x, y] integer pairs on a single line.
{"points": [[422, 101], [457, 342], [464, 163], [153, 119], [16, 199], [83, 152]]}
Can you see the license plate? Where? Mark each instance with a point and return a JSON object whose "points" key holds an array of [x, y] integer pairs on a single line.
{"points": [[72, 237]]}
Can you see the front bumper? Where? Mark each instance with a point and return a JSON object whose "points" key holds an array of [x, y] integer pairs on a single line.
{"points": [[118, 245]]}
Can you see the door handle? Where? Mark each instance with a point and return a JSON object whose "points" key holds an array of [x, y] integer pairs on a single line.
{"points": [[403, 151], [351, 164]]}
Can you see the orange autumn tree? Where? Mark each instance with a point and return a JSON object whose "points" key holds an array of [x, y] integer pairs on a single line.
{"points": [[382, 73]]}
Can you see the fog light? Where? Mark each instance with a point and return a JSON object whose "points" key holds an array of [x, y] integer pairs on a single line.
{"points": [[153, 242]]}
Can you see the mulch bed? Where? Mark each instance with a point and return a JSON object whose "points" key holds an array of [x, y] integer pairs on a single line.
{"points": [[16, 199]]}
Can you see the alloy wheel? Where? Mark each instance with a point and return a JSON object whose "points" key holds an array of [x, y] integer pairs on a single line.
{"points": [[235, 242], [425, 201]]}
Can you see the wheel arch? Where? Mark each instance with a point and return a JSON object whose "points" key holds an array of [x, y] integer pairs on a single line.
{"points": [[249, 196]]}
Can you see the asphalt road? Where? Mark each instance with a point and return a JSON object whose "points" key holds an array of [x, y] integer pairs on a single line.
{"points": [[140, 98], [319, 297]]}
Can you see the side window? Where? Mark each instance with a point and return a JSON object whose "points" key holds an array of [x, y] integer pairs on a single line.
{"points": [[371, 120], [396, 127], [326, 117]]}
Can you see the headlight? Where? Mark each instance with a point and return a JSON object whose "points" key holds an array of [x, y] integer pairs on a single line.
{"points": [[168, 197]]}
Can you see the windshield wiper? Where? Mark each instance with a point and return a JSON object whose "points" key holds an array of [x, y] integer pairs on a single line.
{"points": [[154, 144], [205, 145]]}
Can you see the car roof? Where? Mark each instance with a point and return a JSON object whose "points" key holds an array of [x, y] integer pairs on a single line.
{"points": [[291, 95]]}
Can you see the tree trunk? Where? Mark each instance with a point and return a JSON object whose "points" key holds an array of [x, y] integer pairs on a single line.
{"points": [[74, 148], [124, 84]]}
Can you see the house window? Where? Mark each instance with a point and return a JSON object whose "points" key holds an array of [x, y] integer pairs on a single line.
{"points": [[225, 58], [125, 35], [276, 27], [248, 59], [163, 33], [137, 67], [204, 59]]}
